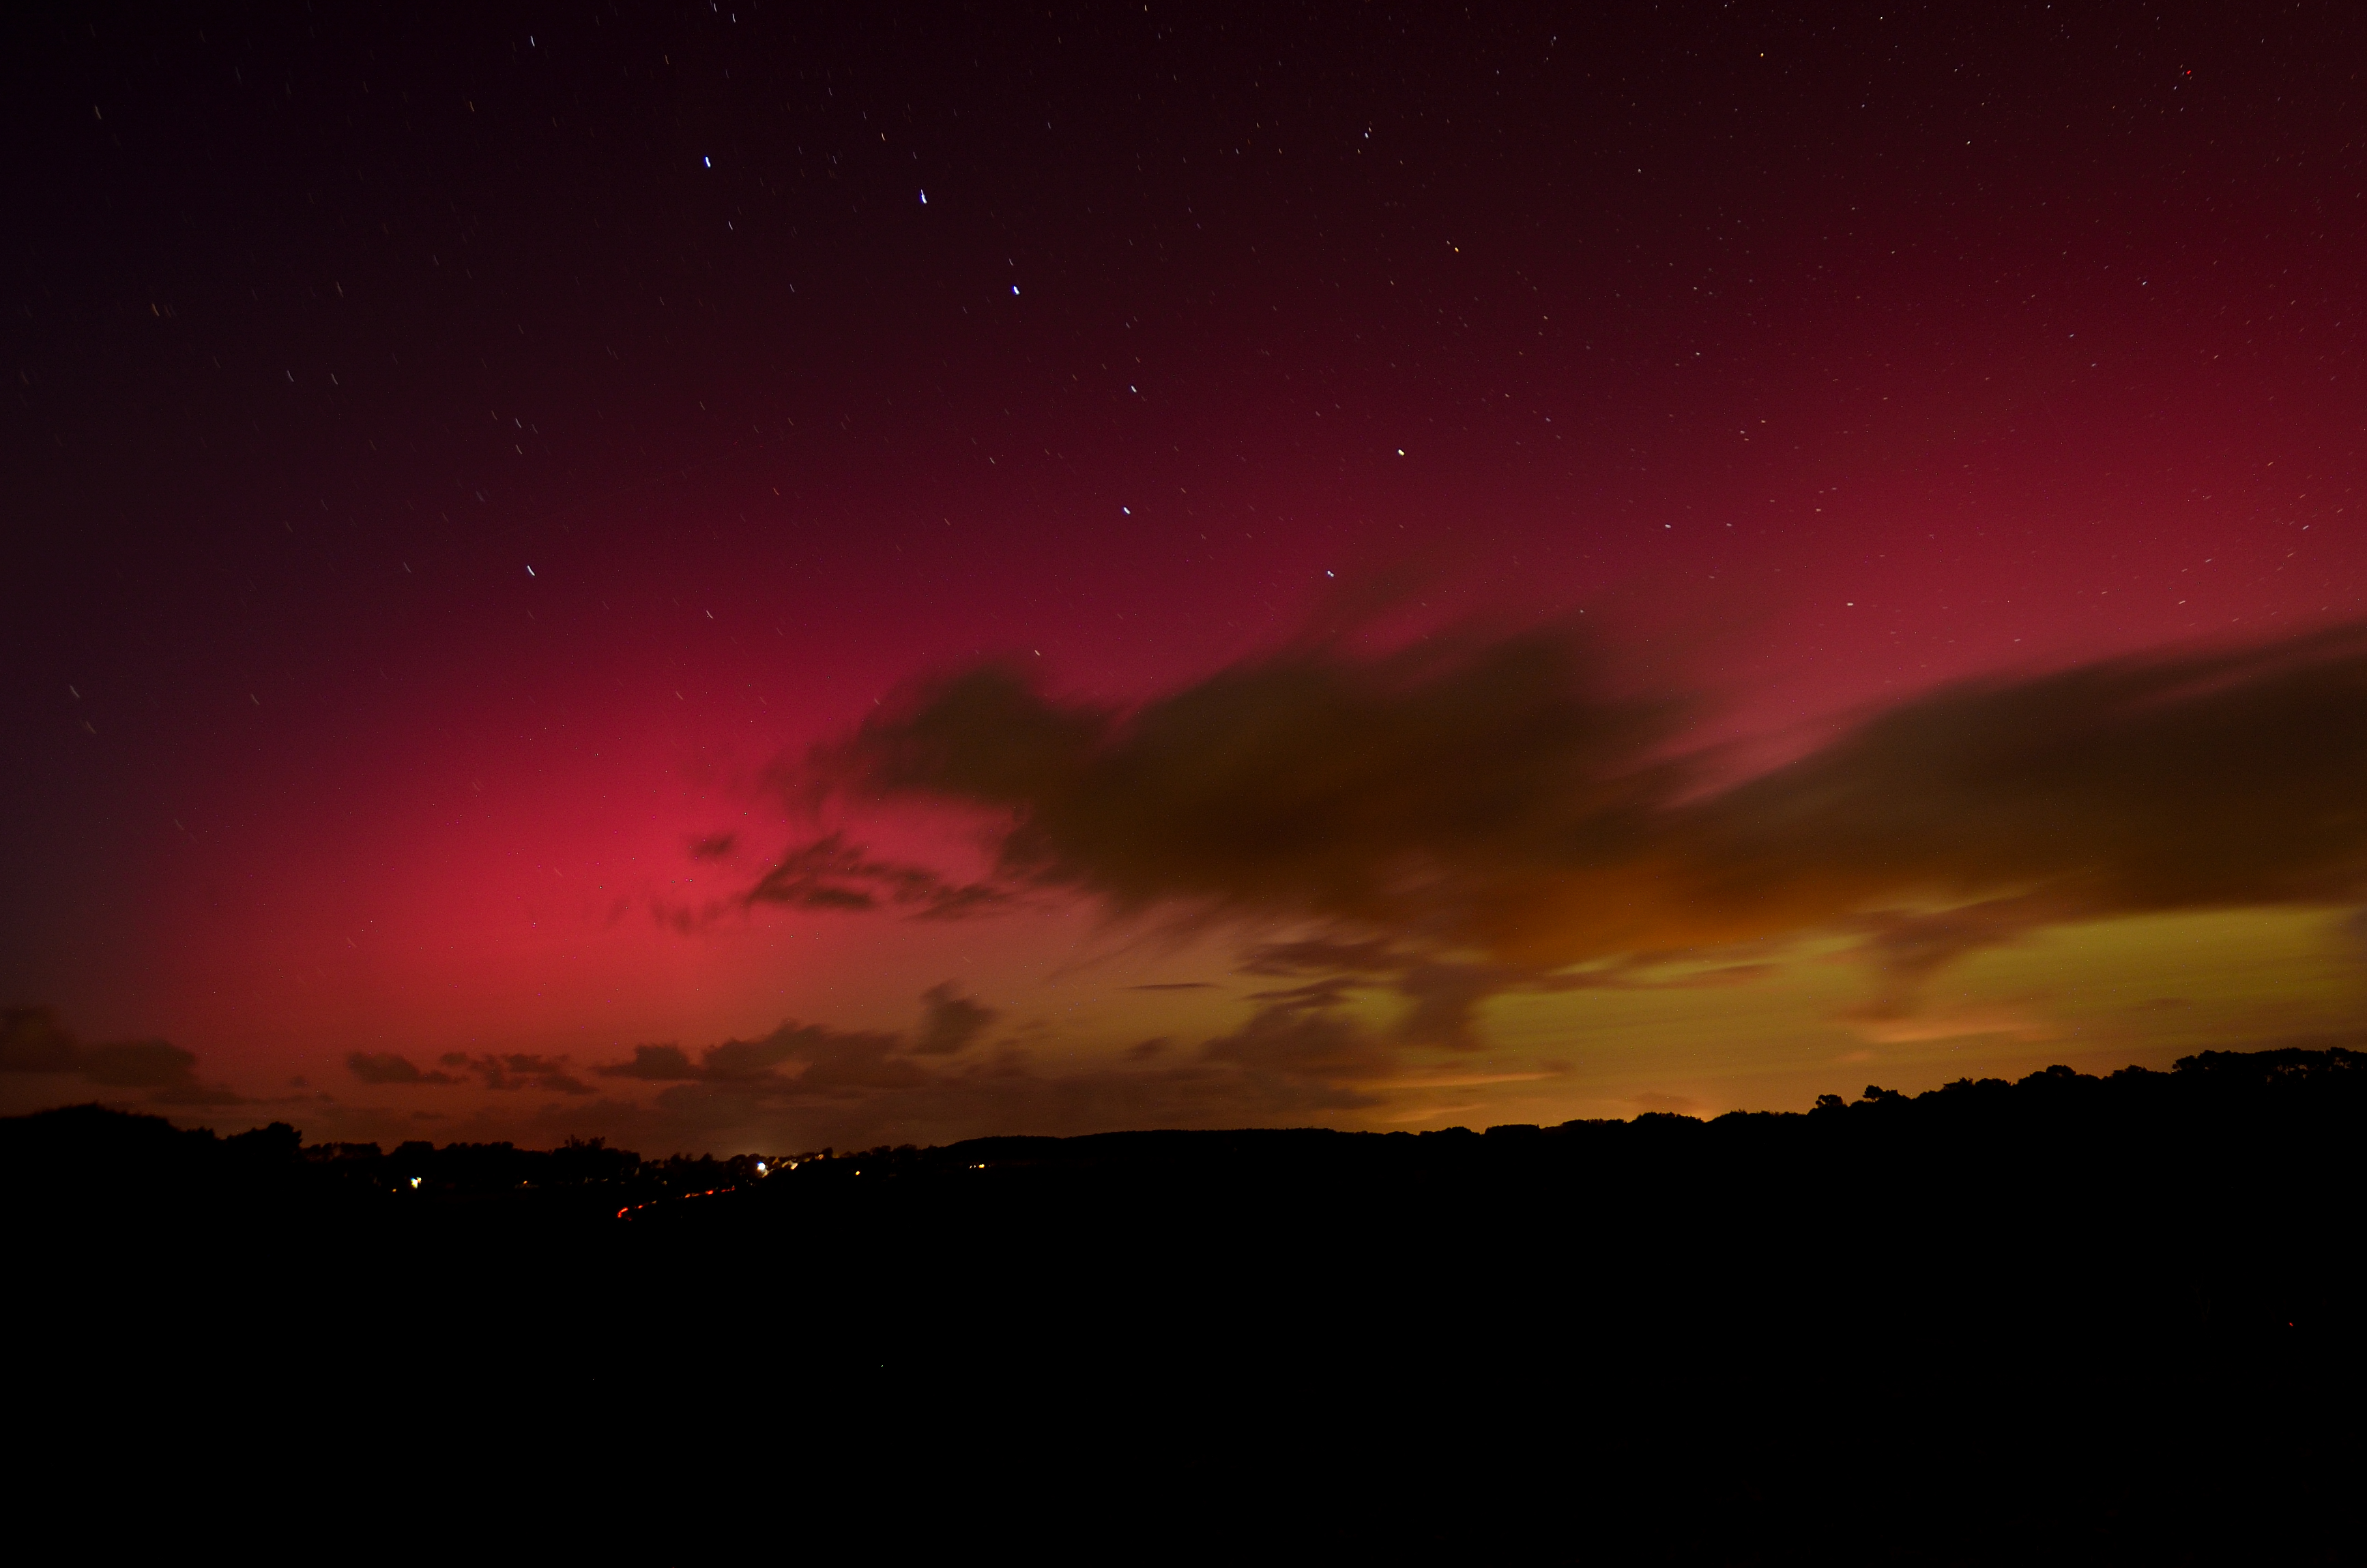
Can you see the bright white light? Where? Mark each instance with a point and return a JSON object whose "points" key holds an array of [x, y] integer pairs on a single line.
{"points": [[415, 1181]]}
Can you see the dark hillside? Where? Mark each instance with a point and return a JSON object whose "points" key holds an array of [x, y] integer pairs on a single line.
{"points": [[2108, 1319]]}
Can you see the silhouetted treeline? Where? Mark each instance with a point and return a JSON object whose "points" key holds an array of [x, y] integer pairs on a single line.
{"points": [[88, 1157], [2211, 1126], [2070, 1318], [2301, 1104]]}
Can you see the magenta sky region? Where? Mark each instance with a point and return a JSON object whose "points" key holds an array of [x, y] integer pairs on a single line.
{"points": [[459, 482]]}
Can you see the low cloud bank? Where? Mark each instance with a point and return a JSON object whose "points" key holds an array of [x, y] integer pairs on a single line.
{"points": [[1297, 1059], [512, 1070], [32, 1041], [1303, 1056]]}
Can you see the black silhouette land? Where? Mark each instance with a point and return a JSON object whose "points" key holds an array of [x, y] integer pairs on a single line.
{"points": [[2070, 1318]]}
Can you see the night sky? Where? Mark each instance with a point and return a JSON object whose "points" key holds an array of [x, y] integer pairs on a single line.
{"points": [[793, 576]]}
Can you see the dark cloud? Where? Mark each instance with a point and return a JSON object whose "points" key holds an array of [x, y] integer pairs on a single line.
{"points": [[949, 1021], [517, 1070], [1315, 996], [190, 1092], [2208, 779], [385, 1067], [1311, 1043], [652, 1064], [1442, 997], [1492, 815], [810, 1059], [33, 1040], [813, 1084], [830, 873], [1385, 792], [795, 1061], [1908, 948], [136, 1064], [1375, 954], [1444, 1001], [713, 847]]}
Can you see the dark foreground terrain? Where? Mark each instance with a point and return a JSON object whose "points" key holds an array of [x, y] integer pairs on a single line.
{"points": [[2067, 1319]]}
